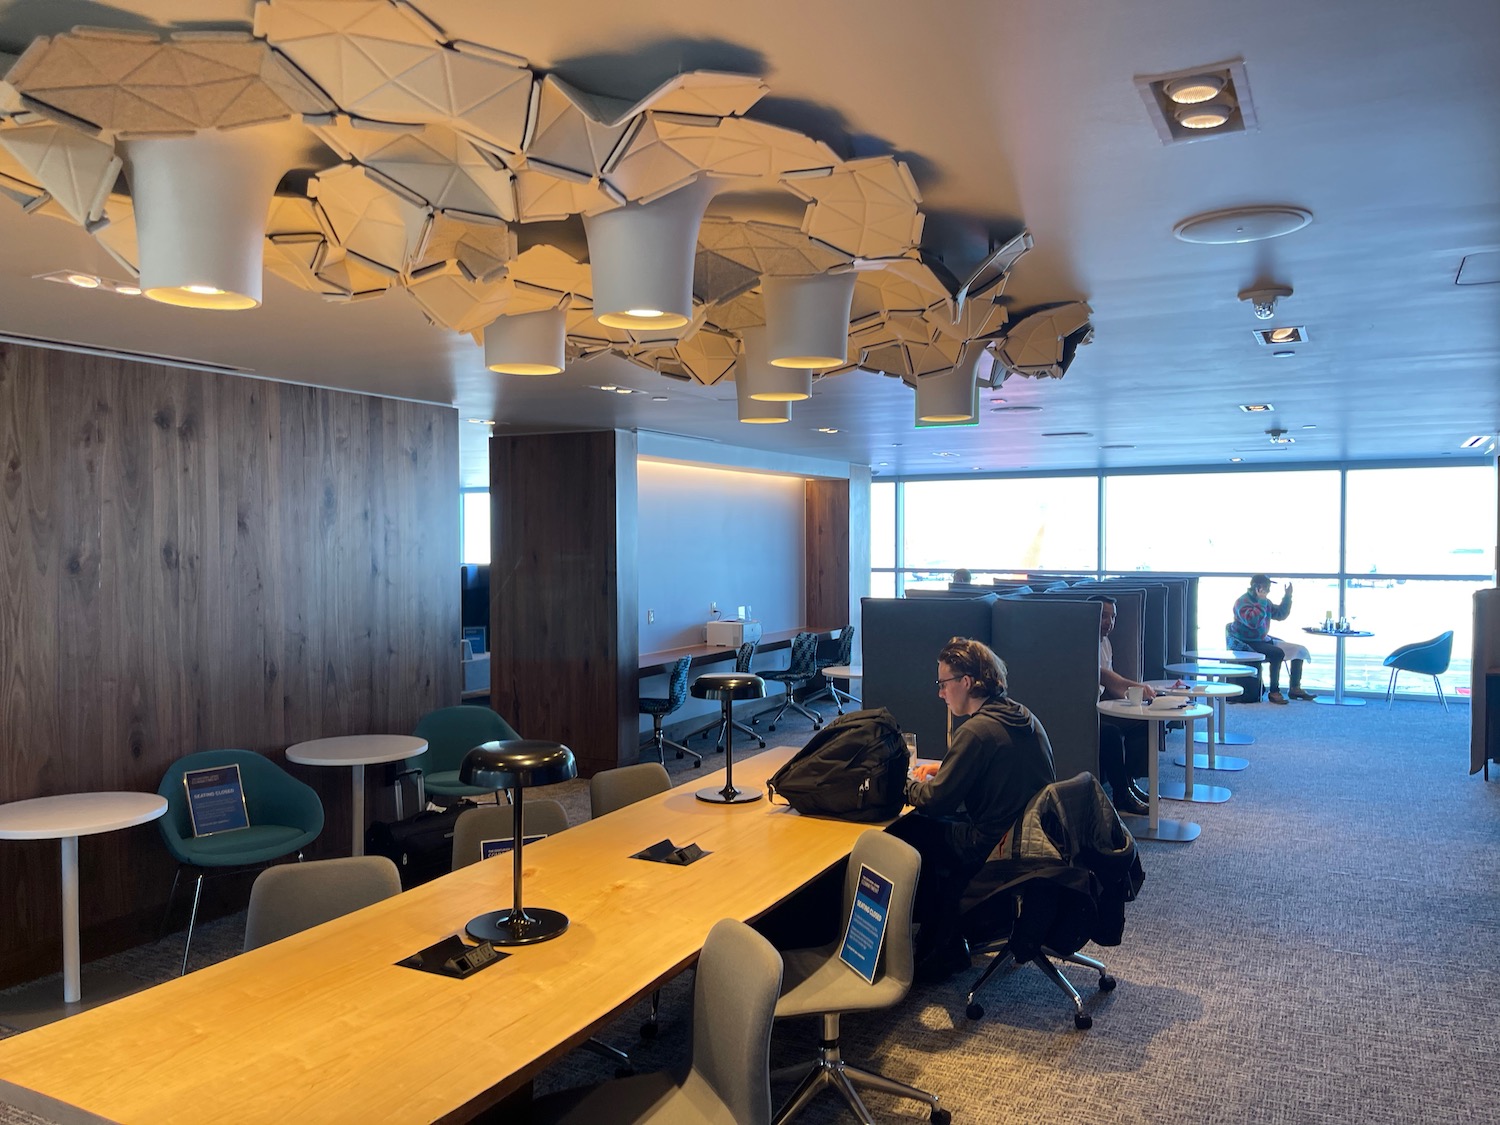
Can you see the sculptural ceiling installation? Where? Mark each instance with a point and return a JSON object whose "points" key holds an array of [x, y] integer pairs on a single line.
{"points": [[451, 171]]}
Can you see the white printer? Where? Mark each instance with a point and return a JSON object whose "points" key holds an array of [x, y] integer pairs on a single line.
{"points": [[733, 633]]}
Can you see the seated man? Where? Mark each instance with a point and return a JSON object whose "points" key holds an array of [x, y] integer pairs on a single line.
{"points": [[1122, 743], [998, 759], [1251, 628]]}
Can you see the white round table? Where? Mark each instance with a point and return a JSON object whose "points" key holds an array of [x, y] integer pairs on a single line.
{"points": [[1217, 670], [850, 672], [359, 751], [66, 818], [1155, 827], [1214, 693], [1338, 698]]}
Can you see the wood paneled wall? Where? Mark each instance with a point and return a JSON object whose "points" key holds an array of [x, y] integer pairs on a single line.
{"points": [[190, 561], [828, 554], [563, 591]]}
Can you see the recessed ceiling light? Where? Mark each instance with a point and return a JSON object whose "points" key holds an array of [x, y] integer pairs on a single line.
{"points": [[658, 398], [945, 453], [1196, 88], [883, 464], [605, 387], [1309, 427], [1285, 334], [83, 280], [1205, 115], [482, 421], [1283, 355], [1282, 439], [997, 402], [1236, 460], [1256, 407], [827, 429], [128, 290]]}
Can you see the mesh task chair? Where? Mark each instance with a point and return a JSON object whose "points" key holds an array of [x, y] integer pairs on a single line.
{"points": [[1427, 658], [839, 652], [285, 816], [1058, 880], [727, 1081], [614, 789], [800, 671], [659, 709], [294, 897], [742, 658], [817, 982], [451, 732]]}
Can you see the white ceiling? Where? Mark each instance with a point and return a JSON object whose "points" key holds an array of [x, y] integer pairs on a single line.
{"points": [[1382, 117]]}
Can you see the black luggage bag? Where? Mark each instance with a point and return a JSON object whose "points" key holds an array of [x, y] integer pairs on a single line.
{"points": [[421, 846]]}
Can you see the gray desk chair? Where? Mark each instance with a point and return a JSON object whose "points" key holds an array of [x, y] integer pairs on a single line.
{"points": [[294, 897], [492, 822], [742, 658], [817, 983], [800, 671], [614, 789], [727, 1082], [659, 708]]}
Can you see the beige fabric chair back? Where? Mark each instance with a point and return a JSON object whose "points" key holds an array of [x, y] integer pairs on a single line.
{"points": [[614, 789], [497, 822], [293, 897], [734, 1005]]}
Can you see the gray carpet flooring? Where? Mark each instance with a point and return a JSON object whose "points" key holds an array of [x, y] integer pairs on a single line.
{"points": [[1321, 953]]}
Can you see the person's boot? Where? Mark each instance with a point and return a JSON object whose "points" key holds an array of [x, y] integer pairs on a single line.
{"points": [[1296, 691], [1276, 697], [1126, 801], [1139, 794]]}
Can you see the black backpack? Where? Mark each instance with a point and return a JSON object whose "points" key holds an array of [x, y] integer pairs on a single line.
{"points": [[853, 769]]}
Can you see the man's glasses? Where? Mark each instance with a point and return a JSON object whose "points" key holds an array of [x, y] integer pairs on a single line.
{"points": [[939, 683]]}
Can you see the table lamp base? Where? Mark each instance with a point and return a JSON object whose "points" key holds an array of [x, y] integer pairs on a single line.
{"points": [[728, 796], [533, 926]]}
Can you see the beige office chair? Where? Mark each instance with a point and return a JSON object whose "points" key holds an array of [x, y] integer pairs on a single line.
{"points": [[492, 822], [614, 789], [293, 897], [816, 982], [728, 1081]]}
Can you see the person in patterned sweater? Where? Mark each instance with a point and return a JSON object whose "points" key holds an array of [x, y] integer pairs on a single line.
{"points": [[1251, 628]]}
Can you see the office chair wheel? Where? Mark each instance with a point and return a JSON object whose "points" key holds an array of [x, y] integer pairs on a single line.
{"points": [[1083, 1021], [649, 1029], [698, 763], [974, 1011], [940, 1116], [1107, 983], [772, 728]]}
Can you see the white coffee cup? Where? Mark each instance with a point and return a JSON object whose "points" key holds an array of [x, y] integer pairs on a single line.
{"points": [[1135, 694]]}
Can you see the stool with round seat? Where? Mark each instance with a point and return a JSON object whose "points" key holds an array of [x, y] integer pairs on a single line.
{"points": [[516, 764], [726, 687]]}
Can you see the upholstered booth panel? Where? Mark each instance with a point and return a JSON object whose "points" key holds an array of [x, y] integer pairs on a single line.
{"points": [[901, 641], [1153, 627], [1127, 640], [1051, 648]]}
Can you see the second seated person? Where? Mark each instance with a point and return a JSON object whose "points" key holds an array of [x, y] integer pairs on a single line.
{"points": [[1251, 628], [999, 758]]}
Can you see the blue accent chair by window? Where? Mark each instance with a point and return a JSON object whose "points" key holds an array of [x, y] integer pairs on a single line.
{"points": [[1426, 658]]}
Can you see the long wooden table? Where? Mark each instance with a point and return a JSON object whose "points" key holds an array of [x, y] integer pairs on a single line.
{"points": [[325, 1027]]}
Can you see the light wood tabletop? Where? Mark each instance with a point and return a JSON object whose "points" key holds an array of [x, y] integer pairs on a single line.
{"points": [[325, 1026]]}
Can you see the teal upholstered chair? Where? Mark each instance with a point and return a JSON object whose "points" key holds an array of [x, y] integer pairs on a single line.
{"points": [[285, 816], [1427, 658], [451, 732]]}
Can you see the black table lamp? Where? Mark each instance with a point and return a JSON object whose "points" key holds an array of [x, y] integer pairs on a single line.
{"points": [[726, 687], [516, 764]]}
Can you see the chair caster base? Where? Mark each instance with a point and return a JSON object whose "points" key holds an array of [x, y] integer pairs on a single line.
{"points": [[1107, 983], [974, 1011], [1083, 1021]]}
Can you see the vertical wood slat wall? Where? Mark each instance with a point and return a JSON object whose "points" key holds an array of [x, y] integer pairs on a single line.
{"points": [[190, 561], [564, 637]]}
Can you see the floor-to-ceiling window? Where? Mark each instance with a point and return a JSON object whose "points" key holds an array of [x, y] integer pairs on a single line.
{"points": [[1396, 550], [474, 525]]}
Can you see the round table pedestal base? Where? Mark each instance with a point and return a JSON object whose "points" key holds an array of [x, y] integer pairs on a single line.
{"points": [[1347, 701], [535, 925], [1222, 762], [1201, 794], [1201, 737], [1169, 831], [728, 796]]}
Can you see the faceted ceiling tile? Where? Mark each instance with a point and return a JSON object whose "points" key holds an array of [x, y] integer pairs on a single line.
{"points": [[705, 93], [543, 197], [116, 232], [708, 355], [10, 97], [451, 299], [650, 165], [888, 359], [744, 311], [296, 258], [566, 135], [767, 248], [293, 215], [731, 148], [127, 82], [1034, 346], [868, 208], [352, 276], [77, 170], [901, 285], [367, 219], [483, 249], [934, 356], [430, 162]]}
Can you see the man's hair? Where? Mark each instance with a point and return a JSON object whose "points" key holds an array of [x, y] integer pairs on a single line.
{"points": [[1103, 598], [978, 661]]}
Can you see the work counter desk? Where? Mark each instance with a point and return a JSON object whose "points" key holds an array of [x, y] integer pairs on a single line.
{"points": [[324, 1026], [656, 663]]}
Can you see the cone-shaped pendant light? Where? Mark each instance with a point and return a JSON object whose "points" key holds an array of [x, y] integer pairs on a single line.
{"points": [[765, 383], [952, 395], [533, 343], [641, 259], [807, 319], [756, 411]]}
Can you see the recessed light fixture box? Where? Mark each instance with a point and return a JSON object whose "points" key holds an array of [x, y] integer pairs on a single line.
{"points": [[1182, 109]]}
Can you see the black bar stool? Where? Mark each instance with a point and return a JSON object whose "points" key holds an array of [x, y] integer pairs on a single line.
{"points": [[726, 687]]}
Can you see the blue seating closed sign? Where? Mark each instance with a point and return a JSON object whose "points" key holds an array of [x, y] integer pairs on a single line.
{"points": [[867, 921]]}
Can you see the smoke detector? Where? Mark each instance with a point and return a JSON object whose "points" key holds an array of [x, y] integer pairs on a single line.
{"points": [[1263, 299]]}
